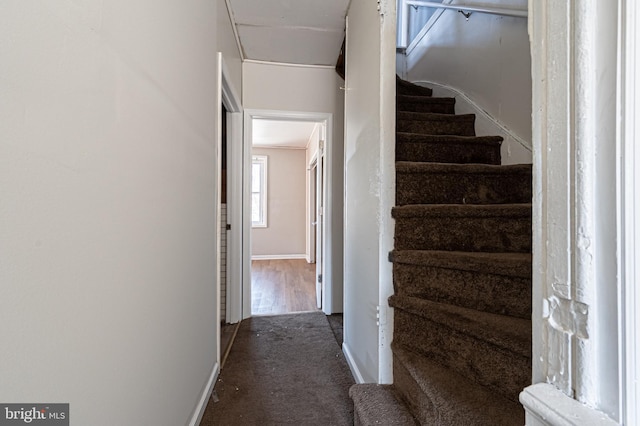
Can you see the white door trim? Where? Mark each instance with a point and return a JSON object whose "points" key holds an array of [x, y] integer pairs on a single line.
{"points": [[319, 217], [319, 117], [229, 97], [311, 209], [629, 229]]}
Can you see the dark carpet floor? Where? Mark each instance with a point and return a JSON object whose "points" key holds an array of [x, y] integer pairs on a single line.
{"points": [[283, 370], [336, 324]]}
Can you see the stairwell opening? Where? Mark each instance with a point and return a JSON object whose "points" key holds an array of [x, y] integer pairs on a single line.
{"points": [[461, 274]]}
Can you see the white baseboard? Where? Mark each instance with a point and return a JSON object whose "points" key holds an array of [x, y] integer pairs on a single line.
{"points": [[277, 256], [204, 398], [355, 371]]}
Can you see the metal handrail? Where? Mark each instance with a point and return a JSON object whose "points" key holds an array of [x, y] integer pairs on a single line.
{"points": [[462, 8], [517, 13]]}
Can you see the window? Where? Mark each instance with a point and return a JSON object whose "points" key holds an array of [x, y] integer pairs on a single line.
{"points": [[259, 191]]}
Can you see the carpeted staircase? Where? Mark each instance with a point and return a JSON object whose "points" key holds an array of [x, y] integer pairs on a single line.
{"points": [[461, 273]]}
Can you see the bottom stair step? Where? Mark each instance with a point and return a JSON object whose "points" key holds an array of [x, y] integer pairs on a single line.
{"points": [[377, 405], [439, 396]]}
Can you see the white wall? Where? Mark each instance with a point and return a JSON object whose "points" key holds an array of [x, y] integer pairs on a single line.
{"points": [[369, 187], [307, 89], [107, 215], [286, 205], [487, 58]]}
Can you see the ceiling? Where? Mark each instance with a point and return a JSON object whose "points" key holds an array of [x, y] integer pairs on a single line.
{"points": [[306, 32], [268, 133]]}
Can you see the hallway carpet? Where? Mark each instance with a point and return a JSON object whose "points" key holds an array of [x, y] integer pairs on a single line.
{"points": [[283, 370]]}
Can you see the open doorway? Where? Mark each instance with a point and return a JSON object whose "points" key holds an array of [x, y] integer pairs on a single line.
{"points": [[325, 122], [286, 209], [229, 210]]}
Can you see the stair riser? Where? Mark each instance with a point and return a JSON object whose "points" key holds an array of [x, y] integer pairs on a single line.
{"points": [[454, 126], [427, 406], [419, 403], [482, 362], [412, 90], [461, 188], [447, 153], [488, 234], [436, 107], [496, 294]]}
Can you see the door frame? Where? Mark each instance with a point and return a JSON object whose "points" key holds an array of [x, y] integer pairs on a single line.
{"points": [[231, 101], [311, 198], [316, 214], [319, 117], [629, 229]]}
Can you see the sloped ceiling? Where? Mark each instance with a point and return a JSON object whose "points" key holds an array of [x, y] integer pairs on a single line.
{"points": [[306, 32]]}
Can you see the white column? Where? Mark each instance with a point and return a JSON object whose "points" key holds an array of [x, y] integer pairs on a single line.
{"points": [[575, 272]]}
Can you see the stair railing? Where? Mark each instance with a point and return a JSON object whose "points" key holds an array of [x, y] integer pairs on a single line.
{"points": [[466, 10]]}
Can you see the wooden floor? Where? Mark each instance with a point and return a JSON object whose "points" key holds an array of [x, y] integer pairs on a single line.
{"points": [[282, 286]]}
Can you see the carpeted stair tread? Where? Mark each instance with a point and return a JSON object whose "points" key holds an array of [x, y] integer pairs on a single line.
{"points": [[436, 124], [507, 264], [505, 332], [404, 87], [491, 350], [498, 283], [378, 405], [425, 104], [421, 167], [463, 227], [449, 183], [407, 137], [448, 148], [439, 396], [517, 210]]}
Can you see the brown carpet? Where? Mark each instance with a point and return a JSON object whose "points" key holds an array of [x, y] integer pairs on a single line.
{"points": [[283, 370]]}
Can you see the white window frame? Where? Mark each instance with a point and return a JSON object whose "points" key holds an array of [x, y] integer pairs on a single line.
{"points": [[262, 160]]}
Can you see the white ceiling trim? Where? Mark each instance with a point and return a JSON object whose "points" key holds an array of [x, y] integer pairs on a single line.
{"points": [[293, 27], [234, 27], [287, 64]]}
